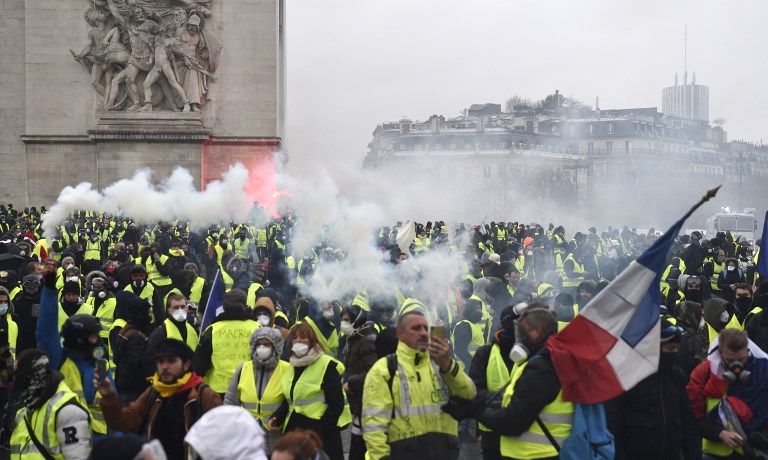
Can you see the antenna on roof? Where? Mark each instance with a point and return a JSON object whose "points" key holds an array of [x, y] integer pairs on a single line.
{"points": [[685, 57]]}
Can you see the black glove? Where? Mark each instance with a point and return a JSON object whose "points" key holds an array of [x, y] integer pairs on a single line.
{"points": [[758, 439], [458, 408]]}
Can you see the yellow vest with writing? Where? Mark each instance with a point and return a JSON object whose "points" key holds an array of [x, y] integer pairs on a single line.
{"points": [[43, 423], [230, 340]]}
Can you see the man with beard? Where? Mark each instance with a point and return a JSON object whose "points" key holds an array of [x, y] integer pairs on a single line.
{"points": [[167, 409], [50, 423]]}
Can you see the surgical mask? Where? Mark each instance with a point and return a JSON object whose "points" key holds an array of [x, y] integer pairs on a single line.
{"points": [[263, 320], [72, 278], [223, 241], [263, 352], [300, 349], [346, 328], [179, 315], [3, 308], [328, 314], [731, 268], [138, 283], [724, 316], [518, 353], [69, 266]]}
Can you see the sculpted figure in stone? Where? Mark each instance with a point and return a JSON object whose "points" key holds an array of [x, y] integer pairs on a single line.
{"points": [[142, 32], [103, 50], [164, 47], [192, 74]]}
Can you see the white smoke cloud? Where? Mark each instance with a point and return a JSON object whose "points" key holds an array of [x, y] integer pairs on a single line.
{"points": [[174, 198]]}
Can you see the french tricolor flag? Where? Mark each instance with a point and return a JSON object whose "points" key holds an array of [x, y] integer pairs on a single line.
{"points": [[614, 342]]}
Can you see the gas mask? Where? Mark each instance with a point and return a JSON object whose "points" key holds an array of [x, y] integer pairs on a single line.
{"points": [[736, 372], [138, 283], [518, 353]]}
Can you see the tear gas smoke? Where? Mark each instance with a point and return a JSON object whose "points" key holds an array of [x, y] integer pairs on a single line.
{"points": [[174, 198]]}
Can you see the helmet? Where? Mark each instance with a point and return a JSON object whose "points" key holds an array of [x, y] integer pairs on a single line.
{"points": [[77, 328]]}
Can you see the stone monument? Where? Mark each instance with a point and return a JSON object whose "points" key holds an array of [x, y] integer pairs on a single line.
{"points": [[93, 90]]}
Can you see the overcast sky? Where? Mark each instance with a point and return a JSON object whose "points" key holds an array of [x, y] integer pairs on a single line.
{"points": [[353, 64]]}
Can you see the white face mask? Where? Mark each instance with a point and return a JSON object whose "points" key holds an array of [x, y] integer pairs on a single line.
{"points": [[68, 266], [300, 349], [518, 353], [3, 308], [179, 315], [731, 268], [328, 314], [724, 316], [138, 283], [263, 352], [263, 320], [71, 278], [346, 328]]}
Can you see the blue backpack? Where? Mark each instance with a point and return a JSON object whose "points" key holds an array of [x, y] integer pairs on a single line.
{"points": [[589, 438]]}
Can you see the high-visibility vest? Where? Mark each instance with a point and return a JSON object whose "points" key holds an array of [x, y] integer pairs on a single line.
{"points": [[147, 292], [105, 313], [733, 323], [251, 296], [153, 274], [272, 396], [718, 448], [716, 269], [330, 344], [241, 248], [92, 250], [751, 313], [261, 238], [559, 264], [196, 293], [556, 416], [496, 375], [307, 397], [43, 423], [230, 340], [172, 332], [85, 308], [578, 273], [487, 318], [13, 334], [478, 337], [74, 381]]}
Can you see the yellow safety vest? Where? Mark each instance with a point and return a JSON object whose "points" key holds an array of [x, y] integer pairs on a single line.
{"points": [[105, 313], [172, 332], [85, 308], [272, 397], [578, 273], [716, 269], [751, 313], [153, 274], [261, 238], [13, 334], [147, 292], [733, 323], [557, 416], [251, 296], [496, 375], [307, 397], [74, 381], [487, 318], [196, 293], [717, 448], [241, 248], [478, 338], [92, 250], [43, 423], [230, 340]]}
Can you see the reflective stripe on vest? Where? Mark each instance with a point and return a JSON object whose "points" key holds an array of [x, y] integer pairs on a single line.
{"points": [[272, 396], [230, 341], [718, 448], [557, 416], [44, 427], [307, 396], [172, 332], [74, 381]]}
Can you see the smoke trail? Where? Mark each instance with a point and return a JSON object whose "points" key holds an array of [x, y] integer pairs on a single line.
{"points": [[174, 198]]}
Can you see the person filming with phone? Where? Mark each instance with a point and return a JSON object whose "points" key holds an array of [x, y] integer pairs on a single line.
{"points": [[403, 392]]}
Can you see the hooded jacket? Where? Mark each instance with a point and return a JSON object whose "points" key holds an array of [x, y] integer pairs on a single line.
{"points": [[218, 424], [713, 310], [694, 341], [262, 371]]}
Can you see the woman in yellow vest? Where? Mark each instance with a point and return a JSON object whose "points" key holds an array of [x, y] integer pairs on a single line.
{"points": [[257, 385], [314, 397]]}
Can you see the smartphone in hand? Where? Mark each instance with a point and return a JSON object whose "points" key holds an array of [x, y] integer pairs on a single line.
{"points": [[101, 369]]}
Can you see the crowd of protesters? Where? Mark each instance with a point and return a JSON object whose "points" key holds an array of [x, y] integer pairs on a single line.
{"points": [[100, 334]]}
